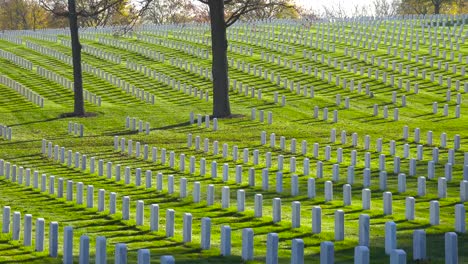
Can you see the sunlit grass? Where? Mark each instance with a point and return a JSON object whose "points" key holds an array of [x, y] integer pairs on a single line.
{"points": [[169, 128]]}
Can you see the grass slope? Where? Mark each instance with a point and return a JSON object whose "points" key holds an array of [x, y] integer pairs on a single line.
{"points": [[169, 129]]}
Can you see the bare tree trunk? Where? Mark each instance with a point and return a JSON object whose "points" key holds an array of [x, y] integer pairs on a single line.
{"points": [[437, 8], [221, 107], [33, 13], [76, 53]]}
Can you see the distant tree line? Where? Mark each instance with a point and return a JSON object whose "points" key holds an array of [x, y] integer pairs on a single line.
{"points": [[31, 15], [26, 14], [34, 14], [382, 8], [38, 14], [424, 7]]}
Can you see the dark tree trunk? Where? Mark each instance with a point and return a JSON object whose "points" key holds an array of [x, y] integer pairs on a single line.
{"points": [[221, 107], [437, 8], [76, 53]]}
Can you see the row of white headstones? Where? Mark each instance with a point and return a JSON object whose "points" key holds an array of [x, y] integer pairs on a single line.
{"points": [[127, 87], [18, 174], [131, 89], [359, 28], [181, 46], [207, 73], [187, 233], [145, 70], [10, 38], [361, 254], [32, 96], [442, 182], [277, 211], [120, 253], [295, 26], [169, 81], [291, 84], [396, 117], [49, 52], [201, 71], [415, 70], [88, 96], [95, 52], [297, 34], [306, 38], [76, 129], [131, 123], [34, 34], [145, 152], [328, 149], [279, 39], [150, 53], [204, 40], [29, 94], [315, 57], [452, 55], [16, 59]]}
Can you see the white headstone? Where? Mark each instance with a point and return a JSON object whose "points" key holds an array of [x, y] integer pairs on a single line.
{"points": [[247, 244], [451, 248], [419, 245], [316, 220]]}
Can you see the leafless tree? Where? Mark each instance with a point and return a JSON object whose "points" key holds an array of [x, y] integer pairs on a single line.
{"points": [[224, 13], [337, 11], [92, 9], [171, 11], [383, 8], [308, 16], [360, 11], [286, 10]]}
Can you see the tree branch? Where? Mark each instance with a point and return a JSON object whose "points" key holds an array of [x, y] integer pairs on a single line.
{"points": [[248, 6], [57, 9]]}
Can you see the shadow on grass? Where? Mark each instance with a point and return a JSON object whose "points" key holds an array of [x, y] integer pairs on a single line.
{"points": [[61, 116], [36, 122]]}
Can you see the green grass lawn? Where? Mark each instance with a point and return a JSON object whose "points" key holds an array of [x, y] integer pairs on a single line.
{"points": [[169, 118]]}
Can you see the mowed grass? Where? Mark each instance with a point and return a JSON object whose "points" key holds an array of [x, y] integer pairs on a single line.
{"points": [[169, 128]]}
